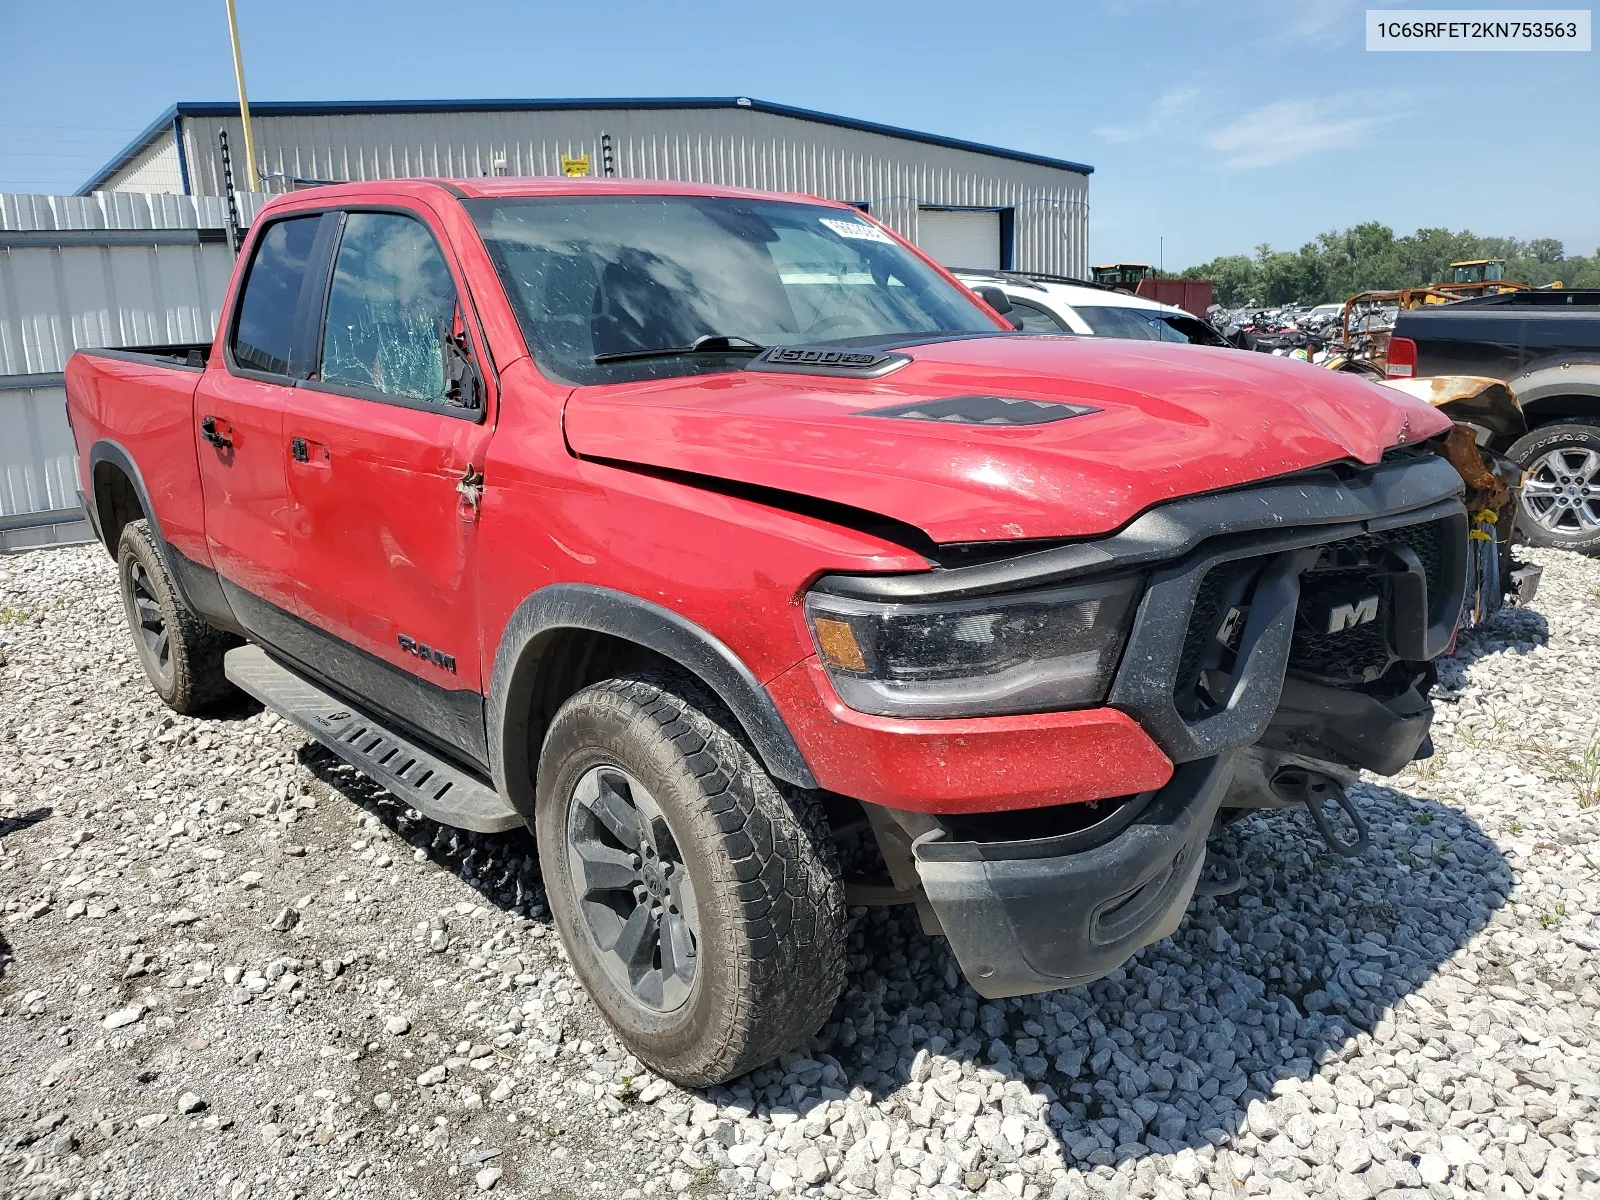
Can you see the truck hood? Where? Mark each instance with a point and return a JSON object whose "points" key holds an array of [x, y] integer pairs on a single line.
{"points": [[1168, 421]]}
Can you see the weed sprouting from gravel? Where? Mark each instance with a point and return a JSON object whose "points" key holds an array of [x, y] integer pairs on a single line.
{"points": [[1585, 772]]}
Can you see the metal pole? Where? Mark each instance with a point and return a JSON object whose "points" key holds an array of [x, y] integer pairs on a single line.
{"points": [[1161, 244], [234, 237], [244, 102]]}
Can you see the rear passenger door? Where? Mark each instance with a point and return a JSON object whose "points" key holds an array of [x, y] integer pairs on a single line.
{"points": [[385, 443], [238, 413]]}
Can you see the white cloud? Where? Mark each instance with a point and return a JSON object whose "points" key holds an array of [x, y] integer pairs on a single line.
{"points": [[1324, 23], [1289, 129], [1170, 106]]}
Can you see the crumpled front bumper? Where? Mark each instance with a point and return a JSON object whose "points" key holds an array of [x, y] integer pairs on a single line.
{"points": [[1031, 916], [1053, 912]]}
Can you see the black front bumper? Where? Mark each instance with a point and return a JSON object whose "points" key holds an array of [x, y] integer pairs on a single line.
{"points": [[1031, 916]]}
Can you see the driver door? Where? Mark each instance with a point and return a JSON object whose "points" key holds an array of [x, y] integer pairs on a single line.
{"points": [[385, 443]]}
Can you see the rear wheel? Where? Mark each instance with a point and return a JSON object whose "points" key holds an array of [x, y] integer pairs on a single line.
{"points": [[1561, 493], [181, 654], [699, 903]]}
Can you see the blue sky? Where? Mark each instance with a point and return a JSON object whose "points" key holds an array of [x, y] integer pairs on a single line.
{"points": [[1212, 126]]}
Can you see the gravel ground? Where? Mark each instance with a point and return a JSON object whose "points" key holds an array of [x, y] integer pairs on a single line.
{"points": [[231, 967]]}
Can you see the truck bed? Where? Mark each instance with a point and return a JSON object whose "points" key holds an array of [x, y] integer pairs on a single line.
{"points": [[1499, 336], [193, 355], [133, 408]]}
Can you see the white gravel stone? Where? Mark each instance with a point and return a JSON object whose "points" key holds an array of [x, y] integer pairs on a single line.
{"points": [[123, 1017], [488, 1177], [1344, 1027]]}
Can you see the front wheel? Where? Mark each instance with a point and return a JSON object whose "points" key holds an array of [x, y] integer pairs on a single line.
{"points": [[1561, 492], [699, 903]]}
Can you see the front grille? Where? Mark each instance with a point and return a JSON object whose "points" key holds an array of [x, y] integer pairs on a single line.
{"points": [[1357, 567], [1358, 652], [1348, 572], [1201, 650], [1426, 540]]}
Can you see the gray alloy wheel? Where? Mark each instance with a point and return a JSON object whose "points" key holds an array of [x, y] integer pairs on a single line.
{"points": [[149, 624], [643, 785], [1562, 491], [1560, 501], [635, 894], [180, 653]]}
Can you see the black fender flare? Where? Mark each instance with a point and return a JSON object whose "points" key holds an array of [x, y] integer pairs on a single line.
{"points": [[566, 606], [198, 586], [1570, 375], [107, 451]]}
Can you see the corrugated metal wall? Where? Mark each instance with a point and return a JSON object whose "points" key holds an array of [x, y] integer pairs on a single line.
{"points": [[55, 299], [87, 289], [36, 459], [112, 269], [737, 147], [156, 168]]}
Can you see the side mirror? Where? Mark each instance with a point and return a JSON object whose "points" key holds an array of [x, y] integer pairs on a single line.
{"points": [[463, 384], [994, 298]]}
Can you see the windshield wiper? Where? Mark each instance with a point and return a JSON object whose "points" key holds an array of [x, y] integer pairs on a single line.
{"points": [[711, 343]]}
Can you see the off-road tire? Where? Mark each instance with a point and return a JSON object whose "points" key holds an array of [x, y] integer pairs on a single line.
{"points": [[1527, 451], [771, 904], [191, 680]]}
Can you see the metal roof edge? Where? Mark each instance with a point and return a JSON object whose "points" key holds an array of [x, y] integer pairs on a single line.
{"points": [[120, 159], [323, 108], [932, 139]]}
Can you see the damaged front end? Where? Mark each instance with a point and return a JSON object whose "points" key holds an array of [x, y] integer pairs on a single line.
{"points": [[1486, 414], [1283, 641]]}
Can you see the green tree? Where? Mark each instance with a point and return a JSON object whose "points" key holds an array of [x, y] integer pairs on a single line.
{"points": [[1546, 250], [1235, 276], [1370, 257]]}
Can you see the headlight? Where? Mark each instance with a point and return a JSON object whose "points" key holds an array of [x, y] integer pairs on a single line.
{"points": [[1025, 652]]}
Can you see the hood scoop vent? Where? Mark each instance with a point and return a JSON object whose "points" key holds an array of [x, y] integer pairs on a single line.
{"points": [[984, 410]]}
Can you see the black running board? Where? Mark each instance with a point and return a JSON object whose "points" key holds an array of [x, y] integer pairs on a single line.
{"points": [[422, 779]]}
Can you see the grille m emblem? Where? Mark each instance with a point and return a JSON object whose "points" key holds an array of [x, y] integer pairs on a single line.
{"points": [[1347, 616]]}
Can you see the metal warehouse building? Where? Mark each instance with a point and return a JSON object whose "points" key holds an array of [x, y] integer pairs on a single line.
{"points": [[141, 255], [967, 204]]}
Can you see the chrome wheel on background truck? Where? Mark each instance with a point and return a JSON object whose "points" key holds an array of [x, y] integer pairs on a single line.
{"points": [[1561, 493]]}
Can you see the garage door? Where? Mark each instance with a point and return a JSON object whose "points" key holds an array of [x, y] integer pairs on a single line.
{"points": [[960, 239]]}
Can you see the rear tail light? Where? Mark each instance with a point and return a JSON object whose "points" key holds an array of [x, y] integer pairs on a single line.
{"points": [[1402, 358]]}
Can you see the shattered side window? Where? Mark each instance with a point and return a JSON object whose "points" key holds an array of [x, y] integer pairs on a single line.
{"points": [[390, 309]]}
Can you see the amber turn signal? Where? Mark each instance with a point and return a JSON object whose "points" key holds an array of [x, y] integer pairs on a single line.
{"points": [[837, 641]]}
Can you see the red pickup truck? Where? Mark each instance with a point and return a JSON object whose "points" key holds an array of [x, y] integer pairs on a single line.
{"points": [[700, 529]]}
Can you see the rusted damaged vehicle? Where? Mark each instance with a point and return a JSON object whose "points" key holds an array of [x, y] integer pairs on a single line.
{"points": [[1486, 414]]}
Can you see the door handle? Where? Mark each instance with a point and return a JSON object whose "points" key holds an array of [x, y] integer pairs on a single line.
{"points": [[209, 431], [297, 448]]}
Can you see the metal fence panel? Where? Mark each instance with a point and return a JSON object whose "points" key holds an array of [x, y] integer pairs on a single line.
{"points": [[56, 296], [55, 299], [36, 456], [123, 210]]}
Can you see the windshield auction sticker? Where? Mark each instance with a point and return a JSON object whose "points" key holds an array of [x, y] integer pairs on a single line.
{"points": [[1487, 29], [859, 230]]}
